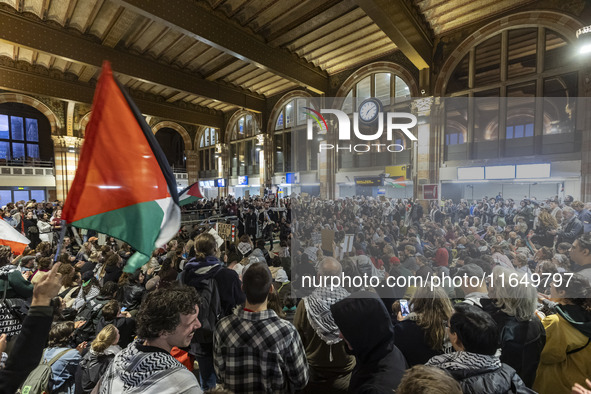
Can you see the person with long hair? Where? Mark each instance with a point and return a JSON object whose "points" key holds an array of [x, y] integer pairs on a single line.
{"points": [[565, 358], [95, 362], [45, 229], [421, 335], [546, 224], [521, 334], [197, 273], [71, 281]]}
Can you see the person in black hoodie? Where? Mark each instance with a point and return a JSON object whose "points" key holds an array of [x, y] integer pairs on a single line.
{"points": [[197, 272], [133, 291], [112, 268], [366, 327], [90, 314], [111, 314]]}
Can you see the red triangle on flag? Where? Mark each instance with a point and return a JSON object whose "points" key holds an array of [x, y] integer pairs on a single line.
{"points": [[117, 166]]}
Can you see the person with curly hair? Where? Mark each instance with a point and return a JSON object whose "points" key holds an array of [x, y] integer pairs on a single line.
{"points": [[64, 369], [167, 318]]}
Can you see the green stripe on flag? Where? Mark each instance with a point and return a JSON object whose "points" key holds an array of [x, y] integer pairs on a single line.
{"points": [[147, 216], [187, 200]]}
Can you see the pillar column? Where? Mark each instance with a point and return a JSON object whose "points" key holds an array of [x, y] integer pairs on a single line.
{"points": [[262, 147], [222, 152], [584, 105], [426, 151], [327, 167], [192, 165], [66, 152]]}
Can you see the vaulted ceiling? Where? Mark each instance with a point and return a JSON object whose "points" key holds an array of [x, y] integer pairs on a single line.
{"points": [[202, 58]]}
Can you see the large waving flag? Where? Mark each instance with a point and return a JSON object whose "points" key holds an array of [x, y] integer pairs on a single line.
{"points": [[190, 194], [124, 186], [10, 237]]}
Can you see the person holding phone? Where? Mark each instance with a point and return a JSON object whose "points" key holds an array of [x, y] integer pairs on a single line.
{"points": [[421, 334], [404, 311]]}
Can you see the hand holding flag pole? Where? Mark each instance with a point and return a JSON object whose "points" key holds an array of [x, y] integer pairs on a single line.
{"points": [[60, 242]]}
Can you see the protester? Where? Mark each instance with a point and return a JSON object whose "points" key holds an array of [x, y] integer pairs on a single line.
{"points": [[28, 345], [65, 358], [521, 334], [94, 364], [474, 336], [580, 254], [565, 358], [256, 351], [421, 335], [330, 365], [206, 273], [367, 330], [167, 318], [422, 379]]}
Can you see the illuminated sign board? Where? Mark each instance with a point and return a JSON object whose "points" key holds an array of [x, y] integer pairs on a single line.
{"points": [[369, 181]]}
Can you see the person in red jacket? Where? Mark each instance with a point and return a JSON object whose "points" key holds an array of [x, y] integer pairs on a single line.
{"points": [[441, 258]]}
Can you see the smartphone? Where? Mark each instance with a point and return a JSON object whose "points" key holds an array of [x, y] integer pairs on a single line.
{"points": [[404, 308], [123, 309]]}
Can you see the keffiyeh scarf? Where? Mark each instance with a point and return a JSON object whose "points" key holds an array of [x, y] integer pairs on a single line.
{"points": [[318, 309], [465, 361]]}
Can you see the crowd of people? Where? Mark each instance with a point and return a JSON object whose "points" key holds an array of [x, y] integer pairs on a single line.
{"points": [[238, 316]]}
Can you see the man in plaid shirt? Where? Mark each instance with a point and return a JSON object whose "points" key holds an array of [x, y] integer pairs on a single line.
{"points": [[254, 350]]}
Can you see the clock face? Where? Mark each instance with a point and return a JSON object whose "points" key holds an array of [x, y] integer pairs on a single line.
{"points": [[368, 110]]}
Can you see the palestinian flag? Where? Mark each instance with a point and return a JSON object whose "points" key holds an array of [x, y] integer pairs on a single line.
{"points": [[190, 194], [124, 186], [11, 237]]}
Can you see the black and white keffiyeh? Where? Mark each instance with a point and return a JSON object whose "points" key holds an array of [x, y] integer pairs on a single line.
{"points": [[465, 361], [318, 309], [134, 371], [5, 270]]}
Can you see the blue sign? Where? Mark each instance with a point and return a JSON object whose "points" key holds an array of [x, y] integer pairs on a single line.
{"points": [[292, 178], [243, 180], [220, 182]]}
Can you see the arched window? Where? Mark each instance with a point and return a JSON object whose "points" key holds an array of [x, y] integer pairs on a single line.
{"points": [[24, 135], [208, 138], [290, 138], [529, 68], [173, 146], [394, 95], [207, 155], [245, 146]]}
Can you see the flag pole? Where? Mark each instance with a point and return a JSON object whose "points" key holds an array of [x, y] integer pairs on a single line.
{"points": [[60, 241]]}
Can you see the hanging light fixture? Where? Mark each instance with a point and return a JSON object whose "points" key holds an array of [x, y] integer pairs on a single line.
{"points": [[584, 37]]}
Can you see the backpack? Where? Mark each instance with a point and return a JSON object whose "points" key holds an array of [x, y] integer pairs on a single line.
{"points": [[14, 311], [91, 314], [38, 380], [210, 308]]}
